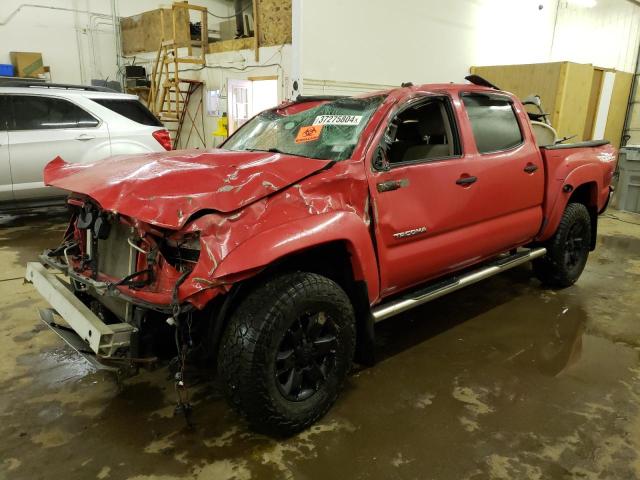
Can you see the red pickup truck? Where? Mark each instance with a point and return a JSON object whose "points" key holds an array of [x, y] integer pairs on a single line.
{"points": [[274, 255]]}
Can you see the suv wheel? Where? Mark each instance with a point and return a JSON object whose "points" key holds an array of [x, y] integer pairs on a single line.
{"points": [[287, 351], [567, 250]]}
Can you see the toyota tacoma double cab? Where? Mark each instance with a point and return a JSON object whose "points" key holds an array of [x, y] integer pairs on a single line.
{"points": [[272, 257]]}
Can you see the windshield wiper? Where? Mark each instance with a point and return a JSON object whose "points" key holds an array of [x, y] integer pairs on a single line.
{"points": [[274, 150]]}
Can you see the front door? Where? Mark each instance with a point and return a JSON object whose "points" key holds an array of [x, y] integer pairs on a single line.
{"points": [[6, 184], [44, 128]]}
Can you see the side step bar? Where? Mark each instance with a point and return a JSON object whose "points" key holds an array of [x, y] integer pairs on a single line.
{"points": [[444, 287]]}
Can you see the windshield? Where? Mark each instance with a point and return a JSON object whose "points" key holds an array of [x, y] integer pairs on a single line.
{"points": [[329, 131]]}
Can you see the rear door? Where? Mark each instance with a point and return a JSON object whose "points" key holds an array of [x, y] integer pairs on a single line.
{"points": [[509, 190], [6, 188], [43, 128]]}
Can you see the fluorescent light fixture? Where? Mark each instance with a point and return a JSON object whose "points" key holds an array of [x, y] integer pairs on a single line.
{"points": [[582, 3]]}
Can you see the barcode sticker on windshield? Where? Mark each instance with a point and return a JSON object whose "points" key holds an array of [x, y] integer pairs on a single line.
{"points": [[338, 120]]}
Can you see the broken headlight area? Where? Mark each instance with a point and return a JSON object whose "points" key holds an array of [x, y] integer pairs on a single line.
{"points": [[181, 253], [105, 247]]}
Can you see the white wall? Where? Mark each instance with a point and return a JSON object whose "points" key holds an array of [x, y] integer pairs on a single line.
{"points": [[242, 65], [606, 35], [385, 43], [382, 42], [77, 46], [273, 61]]}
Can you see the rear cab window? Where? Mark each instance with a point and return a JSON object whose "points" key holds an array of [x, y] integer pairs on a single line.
{"points": [[493, 121], [131, 109], [34, 112]]}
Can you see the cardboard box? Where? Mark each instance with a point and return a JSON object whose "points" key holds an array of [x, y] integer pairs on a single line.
{"points": [[27, 64]]}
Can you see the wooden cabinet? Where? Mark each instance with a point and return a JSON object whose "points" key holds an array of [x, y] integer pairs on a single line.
{"points": [[582, 100]]}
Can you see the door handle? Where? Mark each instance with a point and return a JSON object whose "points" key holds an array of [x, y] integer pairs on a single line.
{"points": [[530, 168], [392, 185], [84, 137], [465, 181]]}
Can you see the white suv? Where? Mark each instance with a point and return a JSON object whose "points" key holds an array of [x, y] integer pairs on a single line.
{"points": [[39, 122]]}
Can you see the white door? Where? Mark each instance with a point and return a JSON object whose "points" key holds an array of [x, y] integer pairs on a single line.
{"points": [[44, 128], [240, 101], [6, 188]]}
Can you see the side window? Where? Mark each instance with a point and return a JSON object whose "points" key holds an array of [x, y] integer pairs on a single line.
{"points": [[31, 112], [422, 133], [131, 109], [494, 123]]}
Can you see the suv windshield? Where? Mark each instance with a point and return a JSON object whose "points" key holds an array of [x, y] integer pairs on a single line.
{"points": [[329, 131]]}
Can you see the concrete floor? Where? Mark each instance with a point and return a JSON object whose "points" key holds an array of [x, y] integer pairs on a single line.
{"points": [[503, 380]]}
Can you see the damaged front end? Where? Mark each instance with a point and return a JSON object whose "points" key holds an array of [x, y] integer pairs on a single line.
{"points": [[158, 244], [128, 285]]}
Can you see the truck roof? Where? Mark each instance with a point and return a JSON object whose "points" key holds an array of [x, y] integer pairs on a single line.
{"points": [[398, 92], [437, 87]]}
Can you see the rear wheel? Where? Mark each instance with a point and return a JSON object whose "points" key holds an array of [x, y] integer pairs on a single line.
{"points": [[567, 250], [287, 351]]}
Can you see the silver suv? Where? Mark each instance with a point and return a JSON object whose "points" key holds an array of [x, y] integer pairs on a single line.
{"points": [[39, 122]]}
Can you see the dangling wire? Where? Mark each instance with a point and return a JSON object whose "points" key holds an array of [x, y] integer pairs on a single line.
{"points": [[183, 346]]}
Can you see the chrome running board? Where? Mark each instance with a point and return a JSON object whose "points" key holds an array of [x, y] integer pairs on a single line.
{"points": [[443, 287]]}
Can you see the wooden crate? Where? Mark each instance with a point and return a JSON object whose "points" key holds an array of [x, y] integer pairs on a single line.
{"points": [[570, 93], [274, 19], [144, 32]]}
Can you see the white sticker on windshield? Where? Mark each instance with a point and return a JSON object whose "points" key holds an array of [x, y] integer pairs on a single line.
{"points": [[338, 120]]}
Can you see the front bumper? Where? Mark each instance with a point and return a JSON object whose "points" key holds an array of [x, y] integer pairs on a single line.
{"points": [[105, 341]]}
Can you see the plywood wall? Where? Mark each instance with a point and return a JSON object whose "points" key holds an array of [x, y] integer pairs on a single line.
{"points": [[572, 100], [618, 107], [569, 91], [594, 100], [274, 19], [564, 88], [144, 32], [541, 79]]}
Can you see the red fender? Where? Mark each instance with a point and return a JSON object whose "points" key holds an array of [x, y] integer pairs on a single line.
{"points": [[556, 204], [282, 240]]}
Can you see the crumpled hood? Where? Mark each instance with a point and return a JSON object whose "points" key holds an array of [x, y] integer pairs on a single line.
{"points": [[165, 189]]}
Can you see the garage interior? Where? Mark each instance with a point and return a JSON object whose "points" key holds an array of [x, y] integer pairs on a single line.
{"points": [[504, 379]]}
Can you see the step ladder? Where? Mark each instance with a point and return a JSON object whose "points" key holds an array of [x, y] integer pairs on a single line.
{"points": [[170, 93]]}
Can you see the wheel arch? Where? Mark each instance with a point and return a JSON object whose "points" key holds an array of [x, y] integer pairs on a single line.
{"points": [[575, 189], [346, 256], [587, 194]]}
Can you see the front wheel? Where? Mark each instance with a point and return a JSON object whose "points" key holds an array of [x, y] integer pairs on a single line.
{"points": [[567, 250], [287, 351]]}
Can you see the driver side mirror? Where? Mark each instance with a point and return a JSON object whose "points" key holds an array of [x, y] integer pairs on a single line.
{"points": [[380, 159]]}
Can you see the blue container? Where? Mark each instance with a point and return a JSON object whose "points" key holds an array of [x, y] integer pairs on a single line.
{"points": [[6, 70]]}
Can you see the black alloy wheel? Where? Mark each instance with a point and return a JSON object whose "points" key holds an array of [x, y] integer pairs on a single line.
{"points": [[306, 356]]}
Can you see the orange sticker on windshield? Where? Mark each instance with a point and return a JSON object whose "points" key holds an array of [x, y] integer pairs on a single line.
{"points": [[309, 134]]}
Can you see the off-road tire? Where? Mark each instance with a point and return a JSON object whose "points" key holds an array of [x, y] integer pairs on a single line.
{"points": [[251, 341], [555, 269]]}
